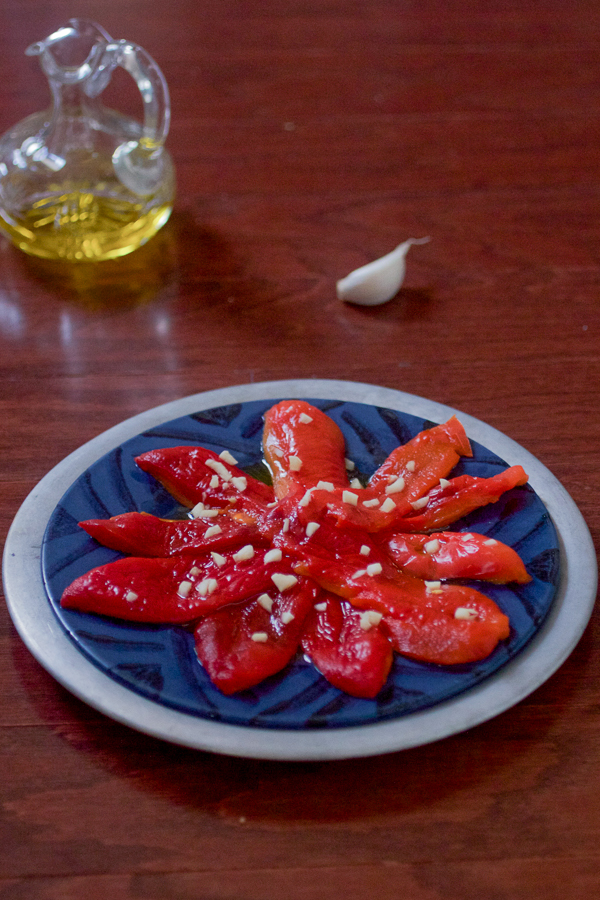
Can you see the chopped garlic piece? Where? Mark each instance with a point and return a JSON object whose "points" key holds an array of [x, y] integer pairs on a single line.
{"points": [[278, 452], [194, 570], [321, 606], [311, 528], [282, 581], [272, 505], [350, 466], [395, 486], [273, 555], [370, 503], [359, 573], [261, 637], [349, 497], [374, 569], [295, 463], [433, 585], [490, 543], [130, 596], [218, 559], [287, 617], [324, 486], [432, 546], [266, 602], [444, 483], [214, 481], [355, 483], [419, 504], [378, 281], [201, 512], [306, 499], [214, 529], [286, 525], [364, 550], [305, 419], [463, 612], [369, 618], [244, 554], [207, 586], [219, 468], [240, 483], [184, 588], [202, 587], [410, 465], [388, 505], [228, 458]]}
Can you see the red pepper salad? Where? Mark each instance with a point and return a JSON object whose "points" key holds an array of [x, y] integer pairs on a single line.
{"points": [[348, 573]]}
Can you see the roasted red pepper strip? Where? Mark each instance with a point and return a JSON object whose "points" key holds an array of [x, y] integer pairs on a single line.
{"points": [[172, 591], [408, 473], [423, 623], [194, 475], [354, 658], [451, 554], [370, 582], [242, 644], [459, 497], [302, 446], [141, 534], [430, 450], [434, 631]]}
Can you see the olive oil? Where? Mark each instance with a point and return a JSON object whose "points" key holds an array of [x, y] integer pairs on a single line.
{"points": [[80, 181], [81, 225]]}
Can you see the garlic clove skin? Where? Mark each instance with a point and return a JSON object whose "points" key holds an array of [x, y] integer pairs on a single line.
{"points": [[378, 281]]}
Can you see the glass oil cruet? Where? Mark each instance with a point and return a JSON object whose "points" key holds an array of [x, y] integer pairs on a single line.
{"points": [[81, 181]]}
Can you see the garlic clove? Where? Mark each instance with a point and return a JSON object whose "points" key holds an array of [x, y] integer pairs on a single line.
{"points": [[378, 281]]}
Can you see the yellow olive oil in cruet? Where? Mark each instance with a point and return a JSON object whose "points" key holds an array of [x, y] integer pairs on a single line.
{"points": [[81, 181]]}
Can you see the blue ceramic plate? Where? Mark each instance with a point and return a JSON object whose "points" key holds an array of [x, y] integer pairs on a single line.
{"points": [[159, 662], [148, 678]]}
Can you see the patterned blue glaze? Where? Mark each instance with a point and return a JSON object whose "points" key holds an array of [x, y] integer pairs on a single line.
{"points": [[159, 662]]}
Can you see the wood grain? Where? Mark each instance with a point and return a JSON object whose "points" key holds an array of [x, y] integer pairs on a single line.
{"points": [[309, 137]]}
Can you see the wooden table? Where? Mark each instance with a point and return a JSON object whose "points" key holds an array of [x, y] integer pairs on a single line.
{"points": [[309, 138]]}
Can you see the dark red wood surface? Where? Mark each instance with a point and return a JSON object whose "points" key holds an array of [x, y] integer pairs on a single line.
{"points": [[311, 136]]}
